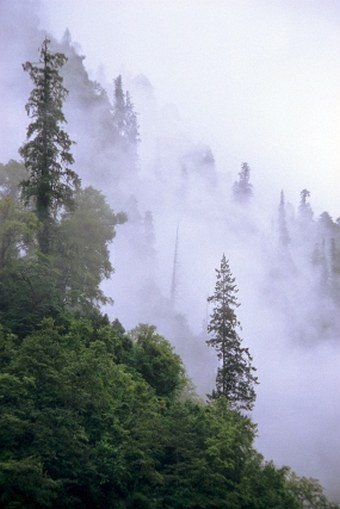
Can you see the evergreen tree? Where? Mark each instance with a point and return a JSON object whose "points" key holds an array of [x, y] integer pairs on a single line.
{"points": [[46, 153], [235, 376], [126, 129], [305, 210], [243, 189], [119, 108]]}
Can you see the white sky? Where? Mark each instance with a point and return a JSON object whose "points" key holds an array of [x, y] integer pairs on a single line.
{"points": [[257, 80]]}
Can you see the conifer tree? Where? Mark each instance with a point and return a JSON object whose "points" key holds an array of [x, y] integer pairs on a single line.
{"points": [[119, 108], [243, 189], [125, 121], [305, 210], [47, 157], [235, 375]]}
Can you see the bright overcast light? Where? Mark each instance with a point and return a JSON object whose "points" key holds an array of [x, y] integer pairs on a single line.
{"points": [[258, 81]]}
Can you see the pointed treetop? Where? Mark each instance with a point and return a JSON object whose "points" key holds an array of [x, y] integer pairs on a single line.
{"points": [[235, 378], [305, 210], [47, 157], [243, 189]]}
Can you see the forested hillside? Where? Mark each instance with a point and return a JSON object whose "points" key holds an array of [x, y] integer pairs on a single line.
{"points": [[93, 415]]}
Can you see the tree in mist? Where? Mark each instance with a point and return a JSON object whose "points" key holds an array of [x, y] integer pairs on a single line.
{"points": [[308, 492], [119, 107], [83, 257], [235, 376], [320, 263], [305, 210], [18, 226], [46, 153], [243, 189], [125, 123], [132, 128]]}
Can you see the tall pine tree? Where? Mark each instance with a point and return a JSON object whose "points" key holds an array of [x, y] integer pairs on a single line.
{"points": [[235, 375], [47, 157]]}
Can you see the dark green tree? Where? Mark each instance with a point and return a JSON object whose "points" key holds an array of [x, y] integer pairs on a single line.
{"points": [[155, 359], [243, 189], [235, 376], [76, 428], [47, 157]]}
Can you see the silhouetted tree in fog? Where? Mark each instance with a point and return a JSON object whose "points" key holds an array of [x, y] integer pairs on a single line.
{"points": [[126, 128], [235, 376], [243, 189], [305, 210]]}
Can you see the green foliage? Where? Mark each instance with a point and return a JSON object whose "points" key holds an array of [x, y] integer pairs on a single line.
{"points": [[155, 359], [81, 426], [23, 483], [235, 379], [34, 285], [308, 492], [46, 154], [77, 418], [11, 176], [81, 247], [264, 487], [184, 462], [18, 226], [28, 293]]}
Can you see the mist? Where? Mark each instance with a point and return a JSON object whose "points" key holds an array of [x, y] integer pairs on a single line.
{"points": [[214, 85]]}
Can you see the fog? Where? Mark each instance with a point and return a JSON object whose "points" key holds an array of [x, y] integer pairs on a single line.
{"points": [[215, 84], [258, 81]]}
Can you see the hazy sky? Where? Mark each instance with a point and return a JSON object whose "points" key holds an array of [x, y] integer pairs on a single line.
{"points": [[257, 80]]}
